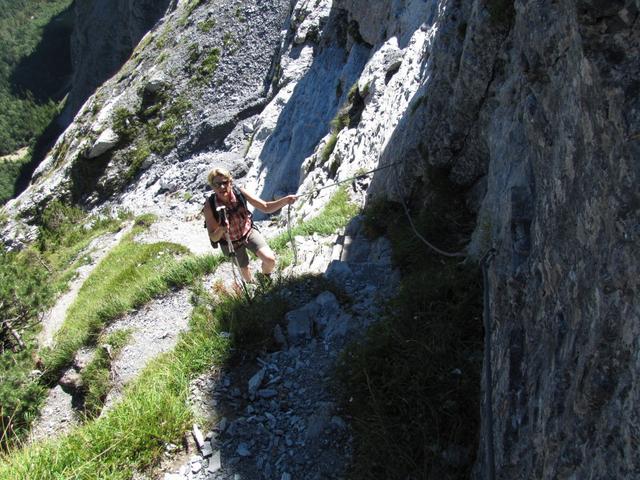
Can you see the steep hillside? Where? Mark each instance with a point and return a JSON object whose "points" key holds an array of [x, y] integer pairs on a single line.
{"points": [[513, 124], [34, 77]]}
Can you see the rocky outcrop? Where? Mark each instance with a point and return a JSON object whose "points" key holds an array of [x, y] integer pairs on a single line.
{"points": [[541, 125], [104, 36], [562, 208]]}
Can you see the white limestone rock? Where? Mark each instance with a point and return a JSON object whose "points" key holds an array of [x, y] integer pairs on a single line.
{"points": [[105, 142]]}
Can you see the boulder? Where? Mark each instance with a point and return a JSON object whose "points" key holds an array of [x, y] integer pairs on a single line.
{"points": [[300, 323], [105, 142]]}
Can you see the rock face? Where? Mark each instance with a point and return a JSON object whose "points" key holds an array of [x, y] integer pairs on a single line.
{"points": [[528, 111], [562, 202], [104, 37]]}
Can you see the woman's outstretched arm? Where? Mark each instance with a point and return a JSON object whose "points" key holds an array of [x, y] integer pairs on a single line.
{"points": [[268, 207]]}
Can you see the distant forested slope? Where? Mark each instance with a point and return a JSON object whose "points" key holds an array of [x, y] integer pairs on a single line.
{"points": [[35, 68]]}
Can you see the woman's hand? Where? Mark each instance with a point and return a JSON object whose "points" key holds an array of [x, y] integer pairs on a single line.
{"points": [[218, 233], [289, 199]]}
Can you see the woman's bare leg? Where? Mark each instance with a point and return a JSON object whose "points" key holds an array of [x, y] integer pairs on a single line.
{"points": [[268, 259], [246, 274]]}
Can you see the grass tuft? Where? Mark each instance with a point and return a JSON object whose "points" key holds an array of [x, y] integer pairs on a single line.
{"points": [[96, 376], [412, 386], [132, 436], [328, 148], [336, 214]]}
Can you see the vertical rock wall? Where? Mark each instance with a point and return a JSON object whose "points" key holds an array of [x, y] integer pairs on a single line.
{"points": [[563, 209], [532, 110]]}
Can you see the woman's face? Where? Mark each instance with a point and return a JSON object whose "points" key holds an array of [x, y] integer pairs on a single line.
{"points": [[222, 186]]}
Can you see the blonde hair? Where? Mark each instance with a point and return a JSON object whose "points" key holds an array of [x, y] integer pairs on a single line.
{"points": [[218, 172]]}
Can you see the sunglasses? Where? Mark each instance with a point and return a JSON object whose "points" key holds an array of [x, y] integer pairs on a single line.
{"points": [[220, 184]]}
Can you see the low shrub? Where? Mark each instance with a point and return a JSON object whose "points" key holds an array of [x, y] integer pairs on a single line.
{"points": [[412, 386]]}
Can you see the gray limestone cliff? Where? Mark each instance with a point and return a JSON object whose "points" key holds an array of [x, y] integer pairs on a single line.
{"points": [[104, 36], [528, 111]]}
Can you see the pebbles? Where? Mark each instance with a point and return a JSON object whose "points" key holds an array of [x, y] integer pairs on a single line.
{"points": [[277, 415]]}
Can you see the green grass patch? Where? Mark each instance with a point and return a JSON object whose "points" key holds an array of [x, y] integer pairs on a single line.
{"points": [[129, 276], [210, 63], [207, 67], [240, 15], [21, 395], [207, 25], [412, 386], [64, 232], [188, 10], [132, 436], [228, 41], [251, 323], [96, 376], [125, 124], [336, 214], [348, 115], [136, 158], [328, 148], [29, 281], [152, 129], [24, 290]]}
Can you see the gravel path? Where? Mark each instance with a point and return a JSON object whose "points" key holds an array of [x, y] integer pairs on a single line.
{"points": [[96, 251], [276, 417], [154, 327], [269, 417]]}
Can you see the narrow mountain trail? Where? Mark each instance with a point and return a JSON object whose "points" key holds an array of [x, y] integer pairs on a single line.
{"points": [[57, 415], [96, 251], [154, 328], [271, 416], [277, 415]]}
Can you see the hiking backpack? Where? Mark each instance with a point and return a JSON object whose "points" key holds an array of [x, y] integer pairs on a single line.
{"points": [[242, 202]]}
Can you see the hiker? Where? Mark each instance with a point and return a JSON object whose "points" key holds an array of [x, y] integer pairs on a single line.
{"points": [[239, 222]]}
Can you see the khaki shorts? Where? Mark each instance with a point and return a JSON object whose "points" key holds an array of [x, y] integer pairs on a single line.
{"points": [[254, 242]]}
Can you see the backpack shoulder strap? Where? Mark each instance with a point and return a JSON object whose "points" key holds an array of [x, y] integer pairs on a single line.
{"points": [[240, 196], [214, 205], [243, 201]]}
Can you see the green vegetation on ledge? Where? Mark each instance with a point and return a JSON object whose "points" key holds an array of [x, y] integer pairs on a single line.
{"points": [[96, 376], [349, 116], [335, 215], [29, 281], [130, 436], [154, 128], [129, 276]]}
